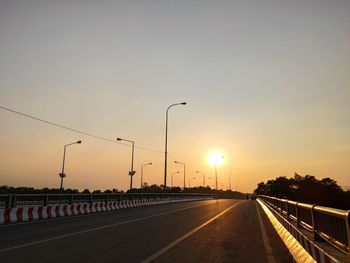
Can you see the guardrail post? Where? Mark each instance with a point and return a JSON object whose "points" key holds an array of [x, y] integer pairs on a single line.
{"points": [[297, 214], [316, 237], [8, 202], [90, 199], [14, 201], [106, 199], [287, 210], [348, 231], [274, 202], [46, 200], [281, 209], [71, 199]]}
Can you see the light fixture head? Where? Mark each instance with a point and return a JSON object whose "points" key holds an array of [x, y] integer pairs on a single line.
{"points": [[78, 142], [118, 139]]}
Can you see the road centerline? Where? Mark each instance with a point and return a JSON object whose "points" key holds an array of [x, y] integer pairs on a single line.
{"points": [[183, 237], [98, 228]]}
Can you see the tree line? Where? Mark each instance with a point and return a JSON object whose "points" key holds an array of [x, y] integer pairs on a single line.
{"points": [[154, 188], [306, 189]]}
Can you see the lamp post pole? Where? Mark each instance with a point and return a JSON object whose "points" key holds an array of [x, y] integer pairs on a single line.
{"points": [[132, 172], [203, 177], [216, 179], [62, 174], [166, 142], [209, 178], [229, 180], [172, 182], [142, 172], [184, 172], [222, 185], [216, 175], [189, 181]]}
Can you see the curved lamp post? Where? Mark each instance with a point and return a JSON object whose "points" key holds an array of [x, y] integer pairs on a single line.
{"points": [[166, 141], [142, 172], [184, 172], [131, 172], [62, 174]]}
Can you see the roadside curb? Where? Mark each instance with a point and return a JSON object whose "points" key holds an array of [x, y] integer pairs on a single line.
{"points": [[317, 253]]}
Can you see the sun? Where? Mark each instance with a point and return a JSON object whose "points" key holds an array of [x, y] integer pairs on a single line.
{"points": [[215, 158]]}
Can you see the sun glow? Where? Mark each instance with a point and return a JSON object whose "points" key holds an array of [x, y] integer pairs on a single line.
{"points": [[215, 158]]}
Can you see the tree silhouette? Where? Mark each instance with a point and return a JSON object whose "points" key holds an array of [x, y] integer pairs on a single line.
{"points": [[306, 189]]}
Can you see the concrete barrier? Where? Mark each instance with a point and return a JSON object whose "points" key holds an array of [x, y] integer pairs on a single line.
{"points": [[25, 214]]}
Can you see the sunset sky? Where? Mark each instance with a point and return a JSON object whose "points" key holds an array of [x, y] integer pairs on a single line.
{"points": [[267, 84]]}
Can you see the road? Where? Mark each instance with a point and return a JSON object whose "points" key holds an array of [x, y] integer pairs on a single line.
{"points": [[202, 231]]}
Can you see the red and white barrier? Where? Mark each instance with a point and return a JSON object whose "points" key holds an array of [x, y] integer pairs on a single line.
{"points": [[24, 214]]}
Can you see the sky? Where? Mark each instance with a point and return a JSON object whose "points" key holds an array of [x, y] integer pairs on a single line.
{"points": [[266, 83]]}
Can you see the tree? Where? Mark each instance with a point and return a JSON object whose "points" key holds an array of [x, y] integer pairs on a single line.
{"points": [[280, 187], [306, 189], [86, 191], [262, 189]]}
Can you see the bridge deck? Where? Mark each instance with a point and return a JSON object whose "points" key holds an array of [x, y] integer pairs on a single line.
{"points": [[206, 231]]}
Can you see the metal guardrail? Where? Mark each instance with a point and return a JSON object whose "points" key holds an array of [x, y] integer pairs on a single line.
{"points": [[330, 224], [25, 200]]}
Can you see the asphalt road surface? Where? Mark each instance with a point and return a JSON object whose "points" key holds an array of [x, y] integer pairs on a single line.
{"points": [[202, 231]]}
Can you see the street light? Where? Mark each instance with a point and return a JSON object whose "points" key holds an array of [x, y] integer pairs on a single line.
{"points": [[166, 141], [229, 180], [209, 178], [142, 172], [62, 174], [216, 159], [222, 185], [184, 172], [189, 181], [172, 185], [131, 172], [198, 172]]}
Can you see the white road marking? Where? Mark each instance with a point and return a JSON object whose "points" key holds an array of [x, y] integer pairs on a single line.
{"points": [[96, 228], [268, 249], [177, 241]]}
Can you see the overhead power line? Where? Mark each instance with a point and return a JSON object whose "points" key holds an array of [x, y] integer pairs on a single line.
{"points": [[75, 130]]}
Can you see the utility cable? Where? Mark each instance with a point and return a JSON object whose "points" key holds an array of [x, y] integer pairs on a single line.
{"points": [[75, 130]]}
